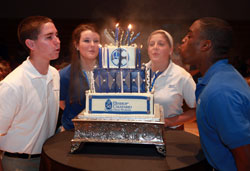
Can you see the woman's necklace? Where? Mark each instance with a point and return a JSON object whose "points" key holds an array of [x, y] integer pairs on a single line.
{"points": [[155, 75]]}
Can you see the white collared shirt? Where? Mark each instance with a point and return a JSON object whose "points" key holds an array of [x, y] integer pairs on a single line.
{"points": [[29, 105], [173, 86]]}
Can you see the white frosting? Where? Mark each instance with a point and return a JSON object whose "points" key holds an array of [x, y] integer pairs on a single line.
{"points": [[128, 54], [120, 105], [158, 113]]}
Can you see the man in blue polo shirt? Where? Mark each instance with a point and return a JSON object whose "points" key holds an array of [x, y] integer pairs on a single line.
{"points": [[222, 95]]}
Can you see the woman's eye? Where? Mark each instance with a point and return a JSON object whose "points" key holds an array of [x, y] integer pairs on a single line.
{"points": [[161, 44], [86, 40], [151, 44]]}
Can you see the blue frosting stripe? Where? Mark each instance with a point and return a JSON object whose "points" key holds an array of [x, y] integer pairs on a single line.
{"points": [[118, 112], [120, 97], [90, 104]]}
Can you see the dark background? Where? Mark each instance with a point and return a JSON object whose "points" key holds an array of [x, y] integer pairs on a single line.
{"points": [[145, 15]]}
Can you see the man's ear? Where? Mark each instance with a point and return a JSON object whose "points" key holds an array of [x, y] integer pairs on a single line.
{"points": [[30, 44], [206, 45]]}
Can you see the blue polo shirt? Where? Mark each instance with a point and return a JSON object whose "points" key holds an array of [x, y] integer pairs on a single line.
{"points": [[71, 109], [223, 114]]}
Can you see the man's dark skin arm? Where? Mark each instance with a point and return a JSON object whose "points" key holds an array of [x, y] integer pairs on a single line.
{"points": [[242, 157]]}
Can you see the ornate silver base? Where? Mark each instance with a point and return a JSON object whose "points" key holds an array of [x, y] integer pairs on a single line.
{"points": [[122, 131]]}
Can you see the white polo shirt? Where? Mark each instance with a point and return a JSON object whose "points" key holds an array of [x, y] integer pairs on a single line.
{"points": [[29, 106], [173, 86]]}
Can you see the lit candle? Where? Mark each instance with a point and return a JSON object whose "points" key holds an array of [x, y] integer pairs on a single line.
{"points": [[131, 36], [121, 43], [116, 33], [128, 33]]}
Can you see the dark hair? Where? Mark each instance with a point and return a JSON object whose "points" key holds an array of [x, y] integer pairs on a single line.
{"points": [[76, 70], [5, 69], [29, 28], [220, 33]]}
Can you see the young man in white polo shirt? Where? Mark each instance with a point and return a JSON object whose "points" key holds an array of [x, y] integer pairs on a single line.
{"points": [[29, 97]]}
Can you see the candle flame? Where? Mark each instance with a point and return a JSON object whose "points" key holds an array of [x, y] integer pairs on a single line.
{"points": [[117, 25], [141, 46], [129, 26]]}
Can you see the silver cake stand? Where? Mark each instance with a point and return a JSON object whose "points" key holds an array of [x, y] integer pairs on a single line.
{"points": [[119, 131]]}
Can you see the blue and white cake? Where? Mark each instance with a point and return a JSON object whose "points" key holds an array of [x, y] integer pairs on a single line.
{"points": [[119, 57], [119, 87]]}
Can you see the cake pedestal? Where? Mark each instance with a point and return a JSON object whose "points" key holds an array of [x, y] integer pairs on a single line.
{"points": [[118, 131]]}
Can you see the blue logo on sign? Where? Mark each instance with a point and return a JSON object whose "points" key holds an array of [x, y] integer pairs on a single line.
{"points": [[108, 104], [120, 53]]}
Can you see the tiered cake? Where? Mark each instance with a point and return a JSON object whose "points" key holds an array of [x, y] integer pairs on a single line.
{"points": [[119, 105], [119, 86]]}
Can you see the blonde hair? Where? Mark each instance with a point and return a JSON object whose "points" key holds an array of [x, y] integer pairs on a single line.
{"points": [[168, 37]]}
